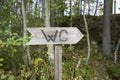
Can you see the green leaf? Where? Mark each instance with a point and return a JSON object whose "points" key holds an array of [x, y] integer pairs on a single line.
{"points": [[1, 64], [3, 76], [1, 59], [5, 7], [14, 1], [11, 77]]}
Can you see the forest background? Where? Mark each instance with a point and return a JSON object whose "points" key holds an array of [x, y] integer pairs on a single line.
{"points": [[95, 57]]}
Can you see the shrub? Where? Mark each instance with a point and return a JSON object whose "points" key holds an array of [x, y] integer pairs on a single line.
{"points": [[114, 71]]}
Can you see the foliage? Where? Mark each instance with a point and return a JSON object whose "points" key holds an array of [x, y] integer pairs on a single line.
{"points": [[84, 72], [7, 76], [11, 44], [87, 72], [114, 71], [1, 60], [9, 49]]}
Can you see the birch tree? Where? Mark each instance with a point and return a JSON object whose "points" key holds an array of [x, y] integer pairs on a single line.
{"points": [[87, 33], [26, 53], [47, 24]]}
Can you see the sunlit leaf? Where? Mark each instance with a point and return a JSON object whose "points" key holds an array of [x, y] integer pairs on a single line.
{"points": [[11, 77], [3, 76]]}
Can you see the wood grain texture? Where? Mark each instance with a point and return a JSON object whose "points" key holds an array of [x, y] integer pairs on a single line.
{"points": [[58, 62], [54, 35]]}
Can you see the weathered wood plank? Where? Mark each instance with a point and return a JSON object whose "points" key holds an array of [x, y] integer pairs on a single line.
{"points": [[54, 35], [58, 62]]}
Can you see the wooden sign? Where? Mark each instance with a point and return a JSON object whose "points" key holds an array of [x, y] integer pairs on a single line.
{"points": [[54, 35]]}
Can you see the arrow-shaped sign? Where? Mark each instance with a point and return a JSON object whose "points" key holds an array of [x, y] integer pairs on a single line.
{"points": [[54, 35]]}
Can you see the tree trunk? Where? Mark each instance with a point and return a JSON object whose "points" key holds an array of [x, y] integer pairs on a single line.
{"points": [[106, 27], [52, 13], [88, 7], [116, 51], [47, 24], [87, 33], [80, 7], [96, 7], [70, 7], [115, 6], [26, 54]]}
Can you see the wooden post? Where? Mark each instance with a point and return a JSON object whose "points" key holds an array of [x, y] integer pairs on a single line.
{"points": [[56, 36], [58, 62]]}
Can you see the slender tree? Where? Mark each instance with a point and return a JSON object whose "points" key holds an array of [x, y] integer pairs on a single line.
{"points": [[96, 7], [116, 51], [115, 6], [52, 13], [47, 24], [26, 54], [87, 33]]}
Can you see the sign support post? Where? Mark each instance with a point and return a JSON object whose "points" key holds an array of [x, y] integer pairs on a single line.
{"points": [[58, 62], [56, 36]]}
